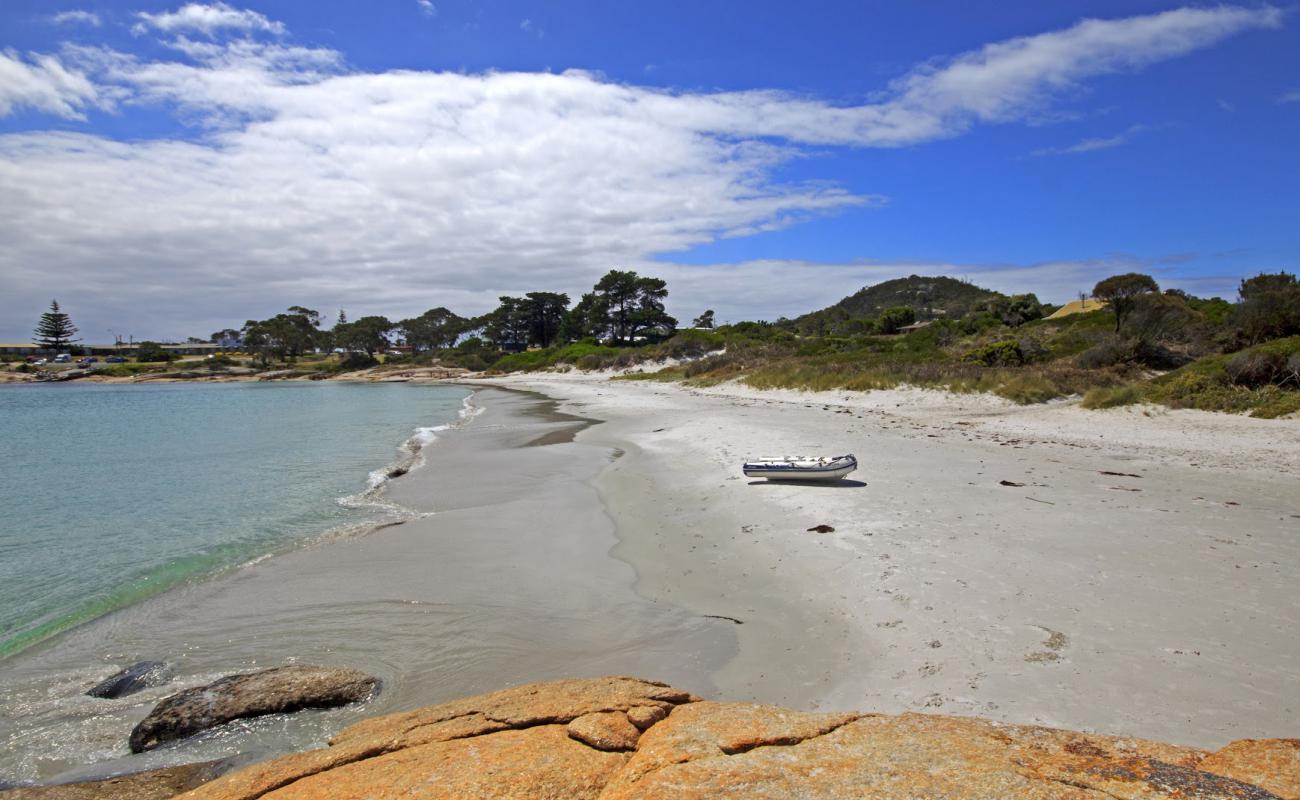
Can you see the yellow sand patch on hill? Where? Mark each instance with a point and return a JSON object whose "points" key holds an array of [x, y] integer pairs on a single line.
{"points": [[1078, 307]]}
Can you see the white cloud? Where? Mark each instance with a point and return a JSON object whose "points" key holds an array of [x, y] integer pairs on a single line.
{"points": [[76, 17], [44, 84], [528, 26], [427, 8], [1012, 79], [1095, 143], [394, 192], [206, 19], [1290, 97]]}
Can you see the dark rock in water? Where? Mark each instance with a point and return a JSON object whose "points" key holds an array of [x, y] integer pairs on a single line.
{"points": [[273, 691], [155, 784], [397, 472], [138, 676]]}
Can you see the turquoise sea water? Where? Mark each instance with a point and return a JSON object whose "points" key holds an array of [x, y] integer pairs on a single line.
{"points": [[114, 493]]}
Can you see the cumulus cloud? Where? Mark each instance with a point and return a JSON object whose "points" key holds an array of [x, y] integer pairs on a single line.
{"points": [[206, 19], [43, 83], [427, 8], [304, 182], [76, 17]]}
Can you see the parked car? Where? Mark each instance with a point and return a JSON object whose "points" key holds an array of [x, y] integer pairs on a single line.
{"points": [[86, 362], [63, 358], [40, 362], [115, 360]]}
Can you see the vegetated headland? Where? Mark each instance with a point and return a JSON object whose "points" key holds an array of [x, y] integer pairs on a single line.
{"points": [[1129, 343]]}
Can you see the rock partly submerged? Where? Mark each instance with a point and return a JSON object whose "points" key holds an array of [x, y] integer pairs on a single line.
{"points": [[272, 691], [627, 739], [137, 677], [155, 784]]}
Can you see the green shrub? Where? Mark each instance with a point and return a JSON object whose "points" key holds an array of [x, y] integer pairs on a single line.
{"points": [[893, 319], [128, 370], [152, 351], [1209, 383], [997, 354], [1030, 388], [1256, 368], [356, 360], [1112, 397]]}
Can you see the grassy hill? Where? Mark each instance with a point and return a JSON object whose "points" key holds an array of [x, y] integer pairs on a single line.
{"points": [[931, 297]]}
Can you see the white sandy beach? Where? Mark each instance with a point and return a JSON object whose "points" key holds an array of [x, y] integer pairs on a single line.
{"points": [[1161, 602]]}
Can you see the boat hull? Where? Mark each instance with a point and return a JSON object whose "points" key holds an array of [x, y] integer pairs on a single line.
{"points": [[800, 469], [799, 475]]}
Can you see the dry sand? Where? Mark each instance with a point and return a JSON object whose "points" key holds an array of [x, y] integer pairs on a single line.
{"points": [[1141, 577]]}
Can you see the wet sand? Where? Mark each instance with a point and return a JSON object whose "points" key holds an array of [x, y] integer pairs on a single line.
{"points": [[507, 579]]}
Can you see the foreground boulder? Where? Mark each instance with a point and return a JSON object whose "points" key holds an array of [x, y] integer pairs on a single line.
{"points": [[653, 741], [273, 691], [137, 677]]}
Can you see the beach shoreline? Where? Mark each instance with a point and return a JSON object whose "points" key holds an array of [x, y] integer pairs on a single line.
{"points": [[1133, 578], [499, 575], [1134, 575]]}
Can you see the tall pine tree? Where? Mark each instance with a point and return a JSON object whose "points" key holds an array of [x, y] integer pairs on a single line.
{"points": [[55, 330]]}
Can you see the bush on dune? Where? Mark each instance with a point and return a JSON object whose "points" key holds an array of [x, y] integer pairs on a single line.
{"points": [[1264, 381], [1112, 397]]}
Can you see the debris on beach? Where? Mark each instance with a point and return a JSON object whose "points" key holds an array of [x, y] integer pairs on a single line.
{"points": [[1055, 643], [1010, 483], [1117, 474], [723, 617], [821, 529]]}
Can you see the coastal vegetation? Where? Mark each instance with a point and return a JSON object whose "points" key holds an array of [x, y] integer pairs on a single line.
{"points": [[1138, 344], [55, 329]]}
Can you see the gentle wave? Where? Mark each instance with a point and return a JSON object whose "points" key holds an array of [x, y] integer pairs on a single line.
{"points": [[410, 459]]}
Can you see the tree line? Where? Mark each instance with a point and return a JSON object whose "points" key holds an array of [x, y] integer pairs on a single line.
{"points": [[621, 309]]}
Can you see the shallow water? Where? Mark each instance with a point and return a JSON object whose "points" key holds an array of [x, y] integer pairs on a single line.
{"points": [[115, 493], [499, 574]]}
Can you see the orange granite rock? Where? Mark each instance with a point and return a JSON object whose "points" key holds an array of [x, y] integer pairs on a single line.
{"points": [[532, 763], [1272, 764], [520, 743], [706, 750], [645, 716], [605, 730], [554, 703]]}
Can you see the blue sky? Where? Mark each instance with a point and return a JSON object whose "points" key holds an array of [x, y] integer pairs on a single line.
{"points": [[168, 169]]}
